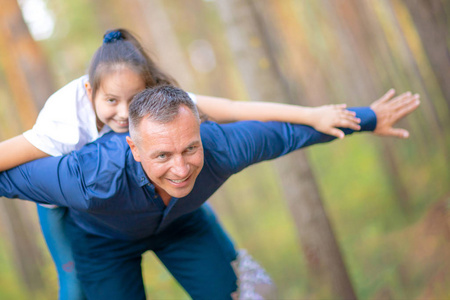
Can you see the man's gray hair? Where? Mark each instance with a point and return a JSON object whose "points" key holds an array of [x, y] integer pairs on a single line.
{"points": [[160, 104]]}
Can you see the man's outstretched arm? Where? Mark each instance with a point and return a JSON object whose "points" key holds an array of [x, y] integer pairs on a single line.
{"points": [[251, 142]]}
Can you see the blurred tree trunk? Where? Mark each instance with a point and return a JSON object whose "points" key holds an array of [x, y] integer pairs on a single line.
{"points": [[430, 18], [149, 21], [352, 40], [163, 42], [415, 78], [430, 62], [25, 66], [253, 52], [30, 85], [108, 20], [299, 59], [21, 234], [358, 37], [195, 14]]}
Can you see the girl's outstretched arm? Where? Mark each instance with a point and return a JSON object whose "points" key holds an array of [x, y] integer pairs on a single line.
{"points": [[16, 151], [325, 118]]}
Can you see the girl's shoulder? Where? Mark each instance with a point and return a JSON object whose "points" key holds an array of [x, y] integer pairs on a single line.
{"points": [[72, 92], [66, 122]]}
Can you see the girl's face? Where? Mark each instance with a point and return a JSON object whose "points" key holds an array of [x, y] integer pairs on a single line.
{"points": [[113, 96]]}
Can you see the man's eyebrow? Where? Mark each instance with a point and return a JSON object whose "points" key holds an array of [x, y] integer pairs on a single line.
{"points": [[159, 152], [194, 143]]}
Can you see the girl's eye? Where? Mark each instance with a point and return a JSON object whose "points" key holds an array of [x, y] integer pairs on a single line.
{"points": [[111, 100]]}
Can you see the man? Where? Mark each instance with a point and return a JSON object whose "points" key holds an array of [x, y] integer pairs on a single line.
{"points": [[130, 194]]}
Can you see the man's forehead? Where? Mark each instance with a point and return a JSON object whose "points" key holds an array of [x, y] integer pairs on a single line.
{"points": [[183, 131], [179, 125], [183, 115]]}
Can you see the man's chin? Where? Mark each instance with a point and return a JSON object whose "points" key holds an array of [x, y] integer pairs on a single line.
{"points": [[181, 193]]}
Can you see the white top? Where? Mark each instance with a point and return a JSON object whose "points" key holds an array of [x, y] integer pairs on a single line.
{"points": [[67, 121]]}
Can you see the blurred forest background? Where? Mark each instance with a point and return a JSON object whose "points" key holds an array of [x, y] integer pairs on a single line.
{"points": [[366, 217]]}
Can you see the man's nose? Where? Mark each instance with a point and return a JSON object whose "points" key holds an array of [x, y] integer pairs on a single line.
{"points": [[180, 168]]}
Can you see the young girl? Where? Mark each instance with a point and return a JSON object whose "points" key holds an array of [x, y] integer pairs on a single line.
{"points": [[92, 105]]}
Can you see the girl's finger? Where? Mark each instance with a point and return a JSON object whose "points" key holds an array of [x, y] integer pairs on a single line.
{"points": [[348, 113], [336, 132], [348, 124], [340, 106]]}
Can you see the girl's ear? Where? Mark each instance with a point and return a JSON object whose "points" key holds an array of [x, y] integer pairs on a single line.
{"points": [[88, 88]]}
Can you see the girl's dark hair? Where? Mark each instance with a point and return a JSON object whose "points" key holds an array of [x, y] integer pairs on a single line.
{"points": [[120, 47]]}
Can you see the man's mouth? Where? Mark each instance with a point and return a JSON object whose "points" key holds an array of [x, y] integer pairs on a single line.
{"points": [[179, 180]]}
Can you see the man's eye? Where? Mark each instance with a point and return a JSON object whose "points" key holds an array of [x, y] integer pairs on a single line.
{"points": [[162, 156]]}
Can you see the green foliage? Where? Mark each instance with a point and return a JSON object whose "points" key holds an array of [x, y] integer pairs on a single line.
{"points": [[10, 286], [159, 284]]}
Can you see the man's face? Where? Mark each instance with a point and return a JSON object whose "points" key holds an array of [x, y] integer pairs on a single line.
{"points": [[171, 154]]}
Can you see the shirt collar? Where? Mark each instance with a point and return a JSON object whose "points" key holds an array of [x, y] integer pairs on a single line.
{"points": [[105, 129], [142, 177]]}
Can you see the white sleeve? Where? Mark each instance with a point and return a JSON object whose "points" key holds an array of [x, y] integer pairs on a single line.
{"points": [[193, 98], [58, 129]]}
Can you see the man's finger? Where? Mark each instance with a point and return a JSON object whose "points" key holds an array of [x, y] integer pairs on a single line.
{"points": [[398, 132], [407, 108], [403, 100], [386, 96]]}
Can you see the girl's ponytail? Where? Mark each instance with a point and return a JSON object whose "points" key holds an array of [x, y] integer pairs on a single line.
{"points": [[120, 47]]}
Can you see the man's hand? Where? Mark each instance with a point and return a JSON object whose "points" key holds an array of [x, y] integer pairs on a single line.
{"points": [[389, 112]]}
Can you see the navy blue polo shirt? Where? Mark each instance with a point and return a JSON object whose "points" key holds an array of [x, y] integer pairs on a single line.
{"points": [[108, 194]]}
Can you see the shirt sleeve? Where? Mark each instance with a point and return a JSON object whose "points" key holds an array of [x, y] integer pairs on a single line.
{"points": [[193, 98], [45, 181], [238, 145], [81, 180], [58, 129]]}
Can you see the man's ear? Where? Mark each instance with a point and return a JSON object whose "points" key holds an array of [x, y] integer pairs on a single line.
{"points": [[134, 149], [88, 88]]}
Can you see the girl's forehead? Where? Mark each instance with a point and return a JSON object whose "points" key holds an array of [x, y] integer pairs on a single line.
{"points": [[122, 79]]}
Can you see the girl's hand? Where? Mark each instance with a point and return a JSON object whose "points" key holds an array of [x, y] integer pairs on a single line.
{"points": [[327, 117]]}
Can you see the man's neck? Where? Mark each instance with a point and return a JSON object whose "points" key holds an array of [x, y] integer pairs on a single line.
{"points": [[164, 195]]}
